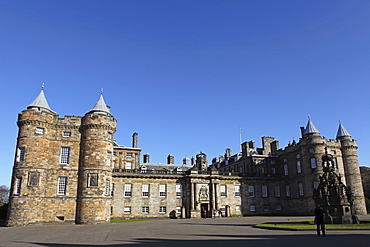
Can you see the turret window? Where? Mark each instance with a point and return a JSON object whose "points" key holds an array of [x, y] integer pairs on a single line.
{"points": [[109, 158], [40, 131], [93, 179], [64, 155], [62, 185], [18, 186], [313, 163], [21, 152], [107, 187], [67, 133]]}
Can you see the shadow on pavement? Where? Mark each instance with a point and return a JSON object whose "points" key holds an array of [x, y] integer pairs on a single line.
{"points": [[360, 240]]}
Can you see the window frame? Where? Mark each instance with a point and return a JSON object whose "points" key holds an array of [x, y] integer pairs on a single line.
{"points": [[65, 153], [162, 190], [127, 191], [62, 186], [145, 190]]}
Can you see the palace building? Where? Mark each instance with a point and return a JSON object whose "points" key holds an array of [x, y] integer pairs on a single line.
{"points": [[71, 170]]}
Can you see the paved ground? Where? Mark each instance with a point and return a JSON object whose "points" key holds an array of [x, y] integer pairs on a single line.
{"points": [[228, 232]]}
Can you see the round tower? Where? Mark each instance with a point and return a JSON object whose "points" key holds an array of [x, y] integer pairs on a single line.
{"points": [[201, 161], [31, 163], [95, 169], [352, 169]]}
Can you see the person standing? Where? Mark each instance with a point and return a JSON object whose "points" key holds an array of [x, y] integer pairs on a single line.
{"points": [[320, 220]]}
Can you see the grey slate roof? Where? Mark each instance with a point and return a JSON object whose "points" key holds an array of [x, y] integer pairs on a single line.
{"points": [[100, 106], [40, 101], [342, 131], [310, 128]]}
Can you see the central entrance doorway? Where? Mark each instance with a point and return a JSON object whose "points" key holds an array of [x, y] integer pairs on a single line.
{"points": [[204, 211]]}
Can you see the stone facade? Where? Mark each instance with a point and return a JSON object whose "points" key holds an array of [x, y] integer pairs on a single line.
{"points": [[70, 170]]}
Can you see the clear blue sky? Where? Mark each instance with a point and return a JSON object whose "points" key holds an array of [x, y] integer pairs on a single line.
{"points": [[187, 74]]}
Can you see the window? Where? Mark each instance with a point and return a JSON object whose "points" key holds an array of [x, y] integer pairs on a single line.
{"points": [[286, 172], [251, 191], [145, 190], [252, 208], [128, 165], [299, 168], [223, 209], [313, 163], [241, 169], [162, 210], [128, 190], [277, 191], [107, 187], [62, 185], [145, 210], [67, 134], [264, 191], [335, 163], [265, 208], [333, 152], [273, 170], [129, 154], [112, 190], [315, 184], [21, 154], [178, 209], [109, 158], [178, 190], [287, 190], [300, 189], [127, 210], [278, 207], [40, 131], [311, 150], [261, 170], [93, 179], [223, 190], [64, 155], [109, 135], [238, 208], [162, 190], [18, 185], [237, 190], [298, 156]]}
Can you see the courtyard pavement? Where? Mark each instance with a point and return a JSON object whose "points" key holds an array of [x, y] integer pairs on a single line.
{"points": [[228, 232]]}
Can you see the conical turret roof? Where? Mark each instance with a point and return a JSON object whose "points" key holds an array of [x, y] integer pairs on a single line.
{"points": [[310, 128], [40, 101], [100, 106], [342, 131]]}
